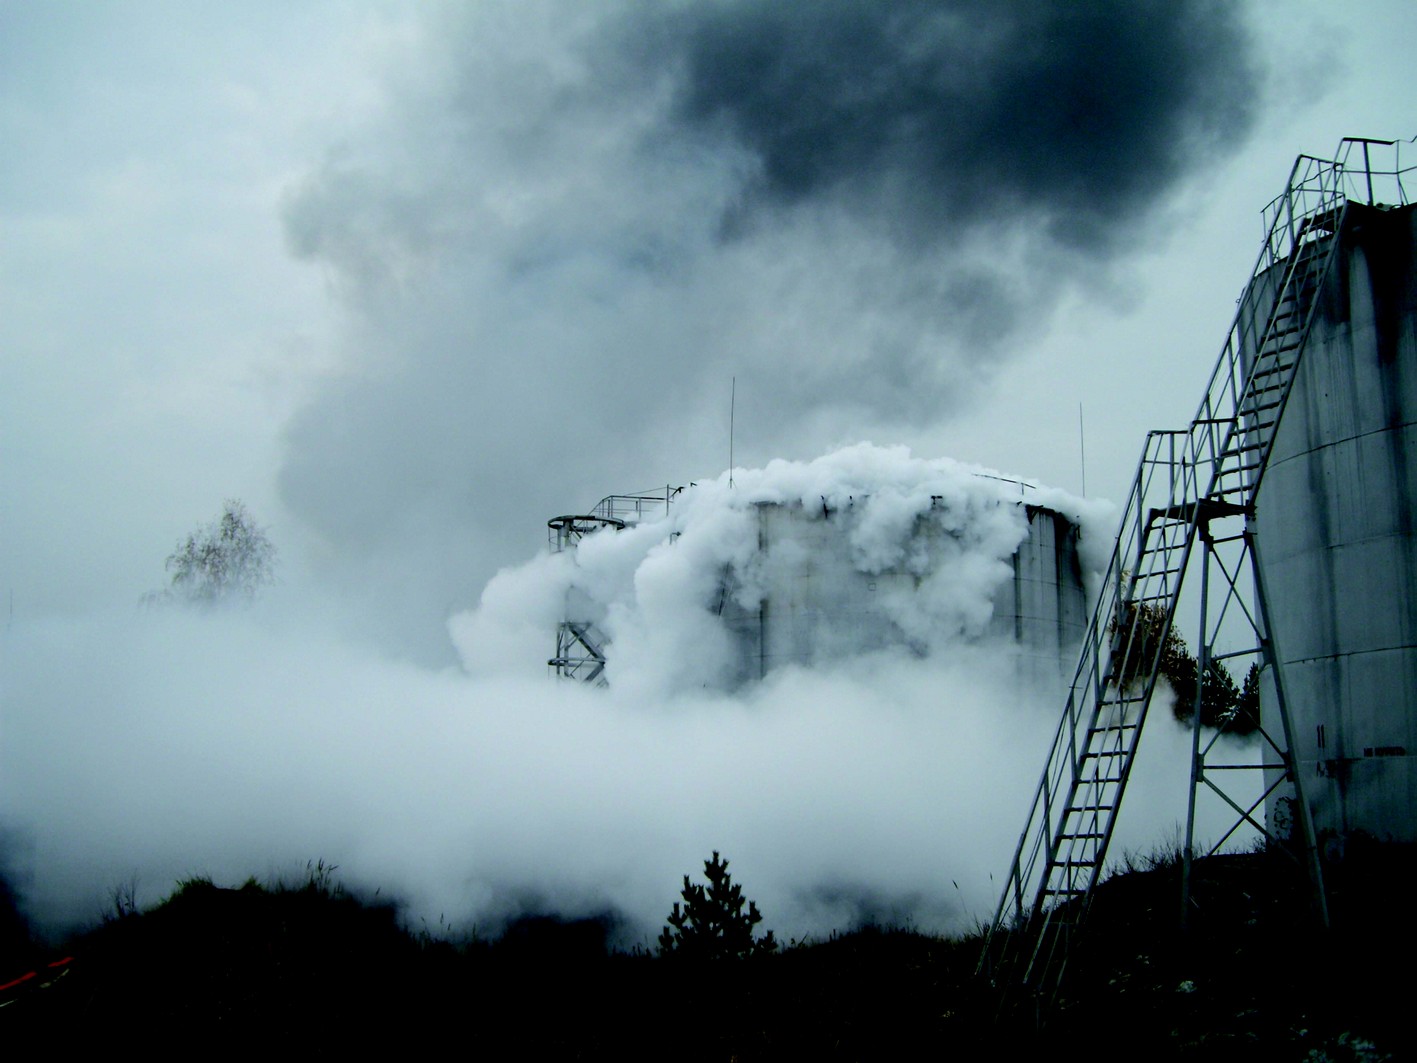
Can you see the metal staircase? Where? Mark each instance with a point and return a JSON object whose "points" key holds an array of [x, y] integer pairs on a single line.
{"points": [[1193, 487], [580, 644]]}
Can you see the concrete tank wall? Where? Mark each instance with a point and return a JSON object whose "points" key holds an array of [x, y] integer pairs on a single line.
{"points": [[814, 603], [1335, 519]]}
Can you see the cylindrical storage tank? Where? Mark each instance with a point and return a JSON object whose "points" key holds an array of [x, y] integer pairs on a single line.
{"points": [[1334, 519], [814, 601]]}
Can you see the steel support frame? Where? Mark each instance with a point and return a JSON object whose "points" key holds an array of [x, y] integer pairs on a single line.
{"points": [[579, 653], [1233, 611]]}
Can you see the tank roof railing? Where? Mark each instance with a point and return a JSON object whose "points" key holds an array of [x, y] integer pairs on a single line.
{"points": [[638, 506], [1363, 170], [1375, 177], [570, 528], [1023, 485]]}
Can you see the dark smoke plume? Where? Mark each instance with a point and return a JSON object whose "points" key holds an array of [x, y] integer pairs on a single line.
{"points": [[931, 116], [571, 224]]}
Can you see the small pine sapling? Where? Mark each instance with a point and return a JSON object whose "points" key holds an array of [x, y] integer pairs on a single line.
{"points": [[711, 923]]}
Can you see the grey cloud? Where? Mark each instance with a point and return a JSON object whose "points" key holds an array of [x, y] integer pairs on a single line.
{"points": [[573, 224], [932, 115]]}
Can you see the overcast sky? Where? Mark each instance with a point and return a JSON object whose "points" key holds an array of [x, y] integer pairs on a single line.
{"points": [[410, 278]]}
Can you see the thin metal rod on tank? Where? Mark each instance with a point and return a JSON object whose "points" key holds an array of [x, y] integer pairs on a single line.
{"points": [[1082, 450], [732, 408]]}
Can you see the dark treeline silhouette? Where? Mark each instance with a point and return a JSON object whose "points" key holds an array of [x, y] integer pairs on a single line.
{"points": [[312, 968]]}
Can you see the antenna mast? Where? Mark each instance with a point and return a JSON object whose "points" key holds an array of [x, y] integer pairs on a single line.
{"points": [[732, 403], [1082, 450]]}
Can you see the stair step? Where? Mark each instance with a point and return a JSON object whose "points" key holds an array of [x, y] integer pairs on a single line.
{"points": [[1227, 460], [1259, 426], [1162, 593], [1256, 407], [1113, 727], [1276, 378], [1164, 547], [1161, 572], [1256, 389], [1245, 448]]}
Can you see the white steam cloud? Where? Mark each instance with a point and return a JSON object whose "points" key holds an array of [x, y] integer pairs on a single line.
{"points": [[157, 745], [656, 589]]}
